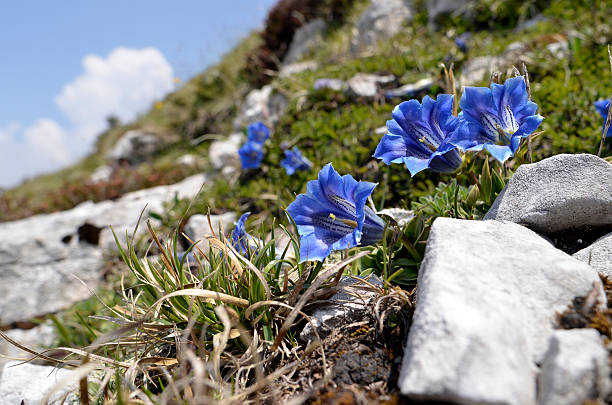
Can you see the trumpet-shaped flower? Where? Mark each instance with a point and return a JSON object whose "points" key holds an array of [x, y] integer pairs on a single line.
{"points": [[257, 132], [251, 154], [496, 118], [603, 106], [332, 215], [294, 160], [242, 241], [418, 136]]}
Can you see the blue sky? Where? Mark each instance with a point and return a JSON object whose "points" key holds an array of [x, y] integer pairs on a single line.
{"points": [[44, 76]]}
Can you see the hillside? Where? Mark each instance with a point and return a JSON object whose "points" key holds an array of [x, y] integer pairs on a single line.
{"points": [[230, 319]]}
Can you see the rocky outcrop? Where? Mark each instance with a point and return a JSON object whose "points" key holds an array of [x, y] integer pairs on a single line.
{"points": [[487, 302], [224, 153], [381, 20], [134, 147], [265, 104], [48, 262], [305, 38]]}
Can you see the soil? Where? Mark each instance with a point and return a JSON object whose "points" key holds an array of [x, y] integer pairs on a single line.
{"points": [[364, 362], [572, 240]]}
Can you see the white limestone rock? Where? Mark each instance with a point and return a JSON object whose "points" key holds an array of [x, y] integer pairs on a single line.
{"points": [[42, 258], [224, 153], [31, 383], [101, 174], [297, 67], [265, 104], [367, 85], [381, 20], [556, 194], [488, 297], [575, 369], [135, 147], [411, 89], [598, 255]]}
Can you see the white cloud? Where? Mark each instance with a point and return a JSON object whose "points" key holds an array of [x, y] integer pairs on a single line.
{"points": [[48, 139], [124, 84]]}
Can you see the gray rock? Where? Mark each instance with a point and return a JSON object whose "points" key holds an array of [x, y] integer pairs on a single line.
{"points": [[225, 152], [263, 104], [347, 305], [305, 38], [481, 67], [575, 369], [411, 89], [298, 67], [31, 383], [381, 20], [488, 297], [598, 255], [435, 8], [331, 84], [367, 85], [197, 227], [101, 174], [135, 147], [401, 216], [559, 193], [41, 256]]}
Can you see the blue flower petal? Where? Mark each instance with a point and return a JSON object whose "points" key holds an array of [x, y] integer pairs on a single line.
{"points": [[331, 214], [603, 108], [416, 132], [257, 132], [529, 125], [251, 155], [499, 152], [241, 240]]}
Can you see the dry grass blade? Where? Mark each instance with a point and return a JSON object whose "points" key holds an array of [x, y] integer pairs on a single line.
{"points": [[169, 265], [221, 341], [207, 294], [308, 294], [34, 352]]}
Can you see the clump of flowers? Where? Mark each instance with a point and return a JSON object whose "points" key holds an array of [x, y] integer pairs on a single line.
{"points": [[427, 135], [332, 215], [294, 161]]}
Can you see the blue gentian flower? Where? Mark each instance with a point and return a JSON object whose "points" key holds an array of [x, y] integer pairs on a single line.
{"points": [[603, 107], [496, 118], [461, 42], [251, 155], [418, 136], [242, 241], [294, 160], [332, 215], [257, 132]]}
